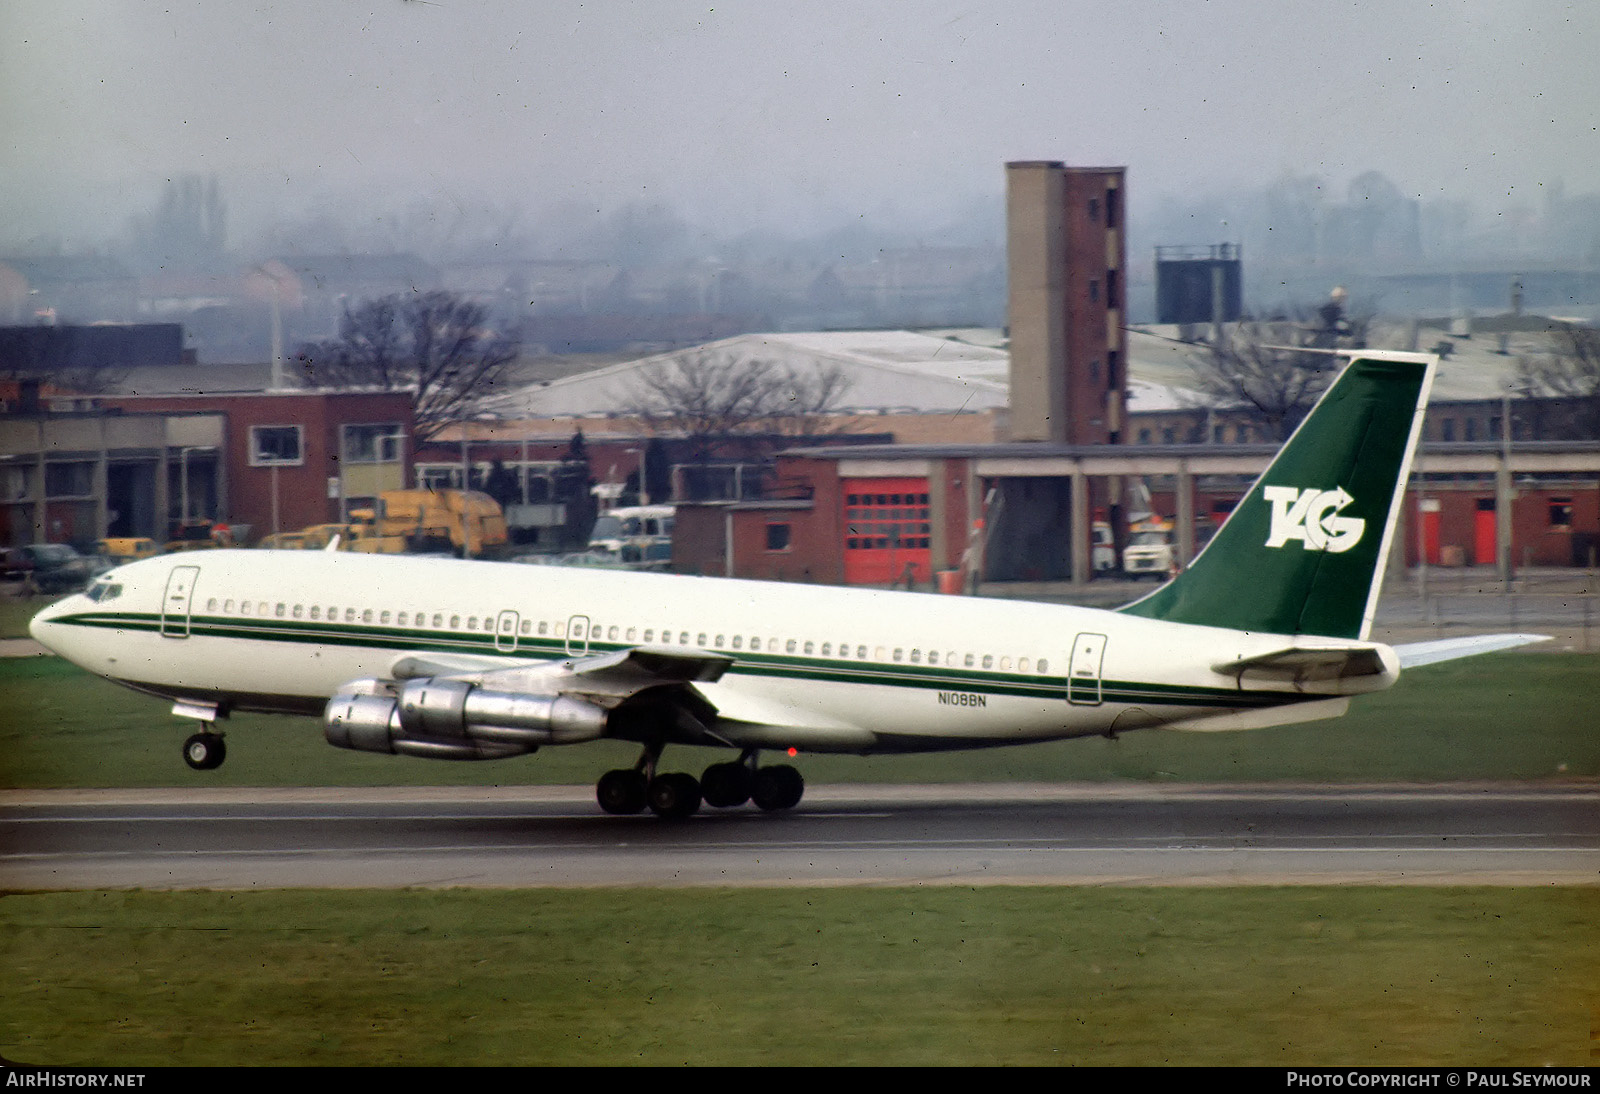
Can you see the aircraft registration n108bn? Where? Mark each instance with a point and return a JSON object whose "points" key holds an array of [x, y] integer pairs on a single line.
{"points": [[464, 660]]}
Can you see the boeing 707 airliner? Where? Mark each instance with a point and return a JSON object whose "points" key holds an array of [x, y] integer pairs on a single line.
{"points": [[465, 660]]}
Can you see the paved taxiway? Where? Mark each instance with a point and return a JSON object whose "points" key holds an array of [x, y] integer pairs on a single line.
{"points": [[850, 835]]}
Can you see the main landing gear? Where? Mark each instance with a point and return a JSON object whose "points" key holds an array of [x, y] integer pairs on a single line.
{"points": [[675, 795], [205, 751]]}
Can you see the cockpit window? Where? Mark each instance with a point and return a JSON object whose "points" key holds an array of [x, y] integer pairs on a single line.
{"points": [[104, 590]]}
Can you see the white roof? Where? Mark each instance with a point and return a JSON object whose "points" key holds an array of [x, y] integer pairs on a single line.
{"points": [[970, 370], [888, 370]]}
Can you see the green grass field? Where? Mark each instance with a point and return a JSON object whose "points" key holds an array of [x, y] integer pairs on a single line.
{"points": [[1507, 716], [1265, 976], [810, 976]]}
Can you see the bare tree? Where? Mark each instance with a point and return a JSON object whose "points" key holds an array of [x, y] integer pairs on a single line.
{"points": [[435, 344], [1249, 368], [1275, 370], [1570, 374], [707, 396]]}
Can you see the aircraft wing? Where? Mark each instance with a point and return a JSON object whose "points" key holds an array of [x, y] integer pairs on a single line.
{"points": [[674, 689], [609, 672], [457, 706], [1413, 654]]}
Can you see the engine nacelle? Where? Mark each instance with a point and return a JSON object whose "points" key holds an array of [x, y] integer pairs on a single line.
{"points": [[455, 719]]}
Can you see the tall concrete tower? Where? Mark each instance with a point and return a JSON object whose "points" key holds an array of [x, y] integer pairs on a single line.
{"points": [[1066, 258]]}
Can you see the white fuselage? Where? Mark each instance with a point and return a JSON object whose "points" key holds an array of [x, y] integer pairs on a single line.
{"points": [[812, 667]]}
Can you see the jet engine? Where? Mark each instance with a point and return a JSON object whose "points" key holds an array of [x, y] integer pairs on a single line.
{"points": [[455, 719]]}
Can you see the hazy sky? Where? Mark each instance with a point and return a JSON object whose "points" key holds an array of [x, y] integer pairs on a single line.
{"points": [[783, 114]]}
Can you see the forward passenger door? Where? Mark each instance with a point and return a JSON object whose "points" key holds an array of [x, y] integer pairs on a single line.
{"points": [[1083, 675], [177, 600]]}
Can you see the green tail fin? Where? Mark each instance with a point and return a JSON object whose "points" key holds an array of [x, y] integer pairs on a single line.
{"points": [[1304, 551]]}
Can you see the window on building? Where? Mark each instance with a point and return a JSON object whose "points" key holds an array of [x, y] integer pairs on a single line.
{"points": [[374, 442], [275, 445], [1561, 512], [888, 521], [778, 537], [1112, 210], [14, 483], [1447, 429], [69, 480]]}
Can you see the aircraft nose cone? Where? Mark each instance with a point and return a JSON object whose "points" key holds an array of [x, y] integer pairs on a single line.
{"points": [[43, 627]]}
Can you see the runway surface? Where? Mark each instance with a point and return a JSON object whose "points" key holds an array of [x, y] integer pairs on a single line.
{"points": [[850, 835]]}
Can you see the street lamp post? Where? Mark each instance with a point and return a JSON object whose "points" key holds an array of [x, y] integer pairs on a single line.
{"points": [[183, 478], [1503, 498]]}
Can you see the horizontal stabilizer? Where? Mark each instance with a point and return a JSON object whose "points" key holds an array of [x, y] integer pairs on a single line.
{"points": [[1300, 663], [1448, 649], [1316, 669]]}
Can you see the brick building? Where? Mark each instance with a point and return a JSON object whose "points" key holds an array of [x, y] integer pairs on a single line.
{"points": [[295, 458]]}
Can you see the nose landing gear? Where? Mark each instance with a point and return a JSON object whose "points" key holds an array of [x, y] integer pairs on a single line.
{"points": [[205, 751]]}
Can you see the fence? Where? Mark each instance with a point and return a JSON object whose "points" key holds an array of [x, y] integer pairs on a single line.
{"points": [[1572, 619]]}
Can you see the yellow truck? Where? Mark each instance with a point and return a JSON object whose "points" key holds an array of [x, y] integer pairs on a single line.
{"points": [[464, 522]]}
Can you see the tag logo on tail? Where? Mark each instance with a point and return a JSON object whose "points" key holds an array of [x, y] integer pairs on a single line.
{"points": [[1312, 517]]}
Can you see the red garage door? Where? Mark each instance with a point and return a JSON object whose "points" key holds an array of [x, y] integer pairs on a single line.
{"points": [[886, 528]]}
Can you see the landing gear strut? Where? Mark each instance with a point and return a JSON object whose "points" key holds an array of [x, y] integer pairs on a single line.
{"points": [[674, 795], [205, 751]]}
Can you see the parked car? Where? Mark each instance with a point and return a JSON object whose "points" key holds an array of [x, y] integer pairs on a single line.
{"points": [[53, 567], [14, 565]]}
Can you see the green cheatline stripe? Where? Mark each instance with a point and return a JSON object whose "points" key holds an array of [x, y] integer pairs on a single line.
{"points": [[927, 677]]}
